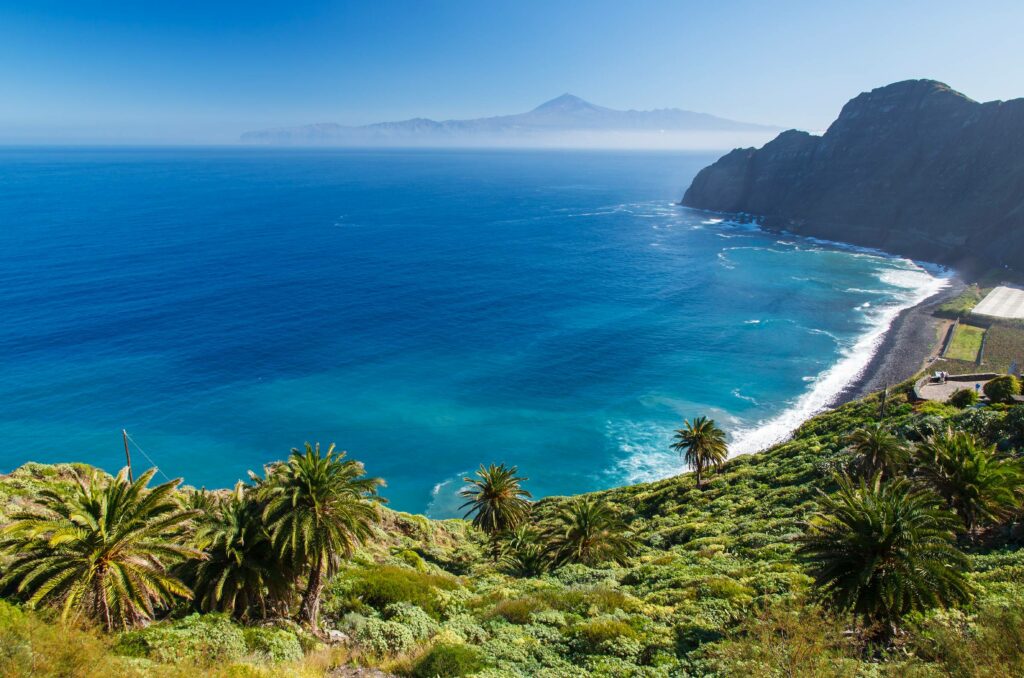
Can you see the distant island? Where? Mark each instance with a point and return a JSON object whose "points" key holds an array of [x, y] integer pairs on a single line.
{"points": [[914, 168], [566, 121]]}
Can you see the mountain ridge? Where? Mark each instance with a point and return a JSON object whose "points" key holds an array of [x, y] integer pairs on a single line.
{"points": [[564, 115], [915, 167]]}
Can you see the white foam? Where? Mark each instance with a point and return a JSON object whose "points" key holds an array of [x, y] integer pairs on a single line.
{"points": [[826, 386], [444, 498], [825, 333], [646, 449], [736, 393], [645, 446]]}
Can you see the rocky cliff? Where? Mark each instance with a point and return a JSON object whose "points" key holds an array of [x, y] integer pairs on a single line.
{"points": [[915, 168]]}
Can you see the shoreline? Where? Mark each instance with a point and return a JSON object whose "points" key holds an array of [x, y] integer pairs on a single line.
{"points": [[898, 352], [909, 343], [903, 350]]}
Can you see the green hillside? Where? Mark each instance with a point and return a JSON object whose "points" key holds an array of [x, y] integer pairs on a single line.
{"points": [[711, 582]]}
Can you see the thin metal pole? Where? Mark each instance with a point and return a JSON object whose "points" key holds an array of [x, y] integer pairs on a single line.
{"points": [[127, 455]]}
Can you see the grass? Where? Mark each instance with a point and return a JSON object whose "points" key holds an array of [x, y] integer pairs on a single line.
{"points": [[966, 343], [1004, 345], [961, 304]]}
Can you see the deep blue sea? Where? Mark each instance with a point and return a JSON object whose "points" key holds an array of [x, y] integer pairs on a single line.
{"points": [[428, 311]]}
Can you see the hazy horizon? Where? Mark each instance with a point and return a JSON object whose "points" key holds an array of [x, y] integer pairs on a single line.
{"points": [[119, 72]]}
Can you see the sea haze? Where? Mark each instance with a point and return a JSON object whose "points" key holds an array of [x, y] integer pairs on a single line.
{"points": [[428, 311]]}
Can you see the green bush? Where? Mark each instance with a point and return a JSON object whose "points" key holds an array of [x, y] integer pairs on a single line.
{"points": [[381, 638], [518, 610], [937, 409], [991, 644], [964, 397], [379, 587], [445, 659], [1002, 389], [32, 648], [413, 618], [202, 639], [276, 645], [465, 626], [413, 560], [599, 635]]}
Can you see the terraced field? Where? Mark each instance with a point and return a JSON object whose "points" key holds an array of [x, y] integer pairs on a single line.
{"points": [[966, 343]]}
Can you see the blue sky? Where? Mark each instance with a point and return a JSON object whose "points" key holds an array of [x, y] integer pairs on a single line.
{"points": [[206, 71]]}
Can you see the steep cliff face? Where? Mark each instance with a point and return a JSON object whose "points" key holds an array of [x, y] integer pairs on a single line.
{"points": [[914, 168]]}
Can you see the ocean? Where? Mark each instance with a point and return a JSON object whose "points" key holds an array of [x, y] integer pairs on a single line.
{"points": [[428, 311]]}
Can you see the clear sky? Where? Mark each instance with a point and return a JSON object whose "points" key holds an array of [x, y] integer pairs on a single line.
{"points": [[206, 71]]}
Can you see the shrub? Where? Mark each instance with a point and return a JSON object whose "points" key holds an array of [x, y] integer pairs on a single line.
{"points": [[413, 618], [1012, 426], [202, 639], [517, 610], [937, 409], [992, 644], [691, 635], [276, 645], [413, 560], [382, 638], [447, 659], [379, 587], [787, 640], [31, 648], [983, 422], [599, 635], [1002, 389], [964, 397], [465, 626]]}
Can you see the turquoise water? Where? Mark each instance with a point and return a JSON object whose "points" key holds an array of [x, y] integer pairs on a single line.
{"points": [[428, 311]]}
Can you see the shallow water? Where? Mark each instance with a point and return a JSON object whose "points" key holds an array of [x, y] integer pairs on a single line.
{"points": [[428, 311]]}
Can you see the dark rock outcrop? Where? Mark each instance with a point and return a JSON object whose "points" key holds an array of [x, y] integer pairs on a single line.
{"points": [[914, 168]]}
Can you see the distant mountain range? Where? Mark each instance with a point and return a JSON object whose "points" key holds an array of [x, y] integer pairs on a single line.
{"points": [[564, 121], [914, 168]]}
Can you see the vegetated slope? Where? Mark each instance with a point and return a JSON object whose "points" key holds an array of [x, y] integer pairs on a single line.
{"points": [[716, 587], [914, 168]]}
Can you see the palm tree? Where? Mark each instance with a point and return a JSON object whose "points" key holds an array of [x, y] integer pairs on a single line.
{"points": [[242, 574], [971, 477], [885, 549], [877, 450], [523, 553], [496, 500], [102, 551], [319, 509], [702, 445], [589, 532]]}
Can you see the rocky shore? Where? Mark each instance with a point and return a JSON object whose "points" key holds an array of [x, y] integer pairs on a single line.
{"points": [[911, 340]]}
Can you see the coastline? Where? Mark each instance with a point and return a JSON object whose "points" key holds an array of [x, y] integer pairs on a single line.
{"points": [[910, 341], [898, 351]]}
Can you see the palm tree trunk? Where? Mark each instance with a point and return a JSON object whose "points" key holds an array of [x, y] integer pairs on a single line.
{"points": [[310, 612], [697, 470], [101, 599]]}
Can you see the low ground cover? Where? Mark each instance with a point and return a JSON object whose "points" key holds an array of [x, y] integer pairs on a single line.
{"points": [[716, 587], [966, 343]]}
